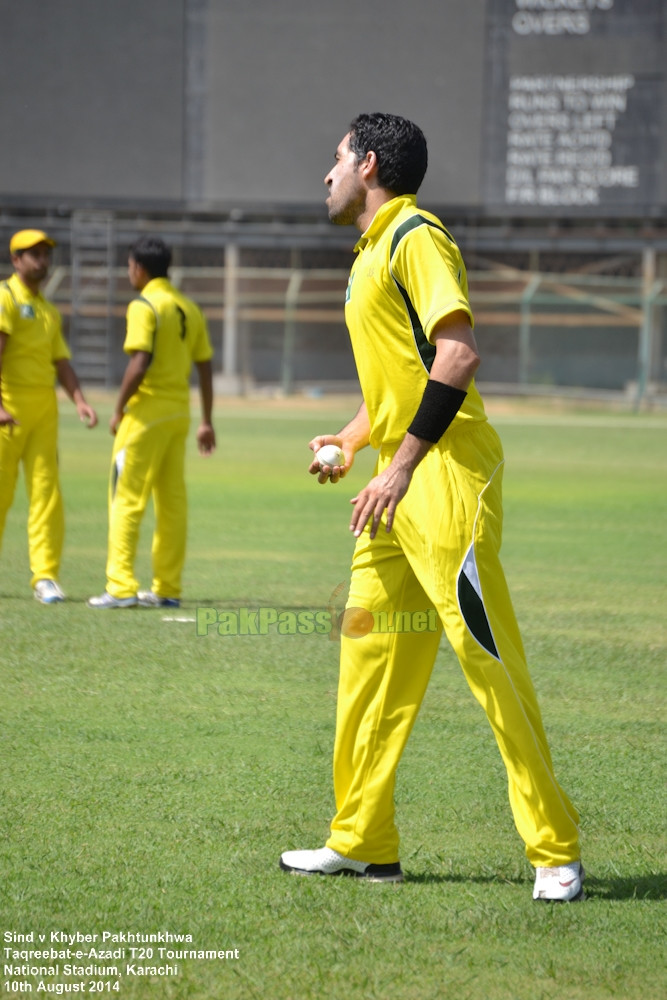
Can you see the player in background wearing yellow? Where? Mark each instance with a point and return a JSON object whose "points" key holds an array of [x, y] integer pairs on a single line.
{"points": [[33, 354], [166, 334], [428, 525]]}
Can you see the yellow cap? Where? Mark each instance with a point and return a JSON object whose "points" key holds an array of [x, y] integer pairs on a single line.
{"points": [[27, 238]]}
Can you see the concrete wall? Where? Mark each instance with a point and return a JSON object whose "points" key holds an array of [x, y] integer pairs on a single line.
{"points": [[211, 104], [289, 77], [91, 99], [224, 101]]}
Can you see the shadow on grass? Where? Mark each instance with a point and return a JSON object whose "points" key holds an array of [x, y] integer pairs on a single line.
{"points": [[618, 888], [640, 887]]}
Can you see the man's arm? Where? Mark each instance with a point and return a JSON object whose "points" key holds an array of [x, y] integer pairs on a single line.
{"points": [[70, 383], [351, 439], [206, 431], [456, 361], [133, 376]]}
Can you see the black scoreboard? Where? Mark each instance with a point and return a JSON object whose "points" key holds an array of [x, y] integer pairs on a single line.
{"points": [[574, 106]]}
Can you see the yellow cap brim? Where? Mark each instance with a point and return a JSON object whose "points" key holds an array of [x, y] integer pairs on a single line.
{"points": [[27, 238]]}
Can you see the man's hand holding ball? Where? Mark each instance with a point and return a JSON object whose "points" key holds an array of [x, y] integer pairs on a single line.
{"points": [[329, 462]]}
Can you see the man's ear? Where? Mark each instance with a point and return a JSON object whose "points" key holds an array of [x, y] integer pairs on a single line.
{"points": [[369, 165]]}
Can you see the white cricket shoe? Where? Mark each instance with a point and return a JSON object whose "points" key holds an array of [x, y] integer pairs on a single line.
{"points": [[48, 592], [327, 862], [149, 599], [107, 600], [561, 885]]}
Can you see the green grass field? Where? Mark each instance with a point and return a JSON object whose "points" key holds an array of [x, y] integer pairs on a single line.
{"points": [[150, 778]]}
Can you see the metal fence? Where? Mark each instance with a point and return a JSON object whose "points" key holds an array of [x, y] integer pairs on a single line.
{"points": [[283, 328], [568, 311]]}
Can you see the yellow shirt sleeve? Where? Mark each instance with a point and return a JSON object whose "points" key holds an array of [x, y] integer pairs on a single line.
{"points": [[60, 346], [7, 310], [141, 327], [202, 349], [431, 270]]}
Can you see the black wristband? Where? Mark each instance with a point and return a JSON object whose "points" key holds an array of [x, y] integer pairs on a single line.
{"points": [[440, 404]]}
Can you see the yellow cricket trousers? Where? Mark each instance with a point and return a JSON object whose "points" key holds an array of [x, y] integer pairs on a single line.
{"points": [[148, 459], [442, 554], [35, 444]]}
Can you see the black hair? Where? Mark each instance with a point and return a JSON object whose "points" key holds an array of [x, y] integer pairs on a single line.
{"points": [[153, 254], [400, 147]]}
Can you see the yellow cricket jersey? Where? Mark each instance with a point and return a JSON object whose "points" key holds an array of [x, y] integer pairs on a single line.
{"points": [[173, 329], [407, 276], [34, 338]]}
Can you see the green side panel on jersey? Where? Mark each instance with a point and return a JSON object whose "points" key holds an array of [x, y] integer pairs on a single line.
{"points": [[424, 346], [414, 222]]}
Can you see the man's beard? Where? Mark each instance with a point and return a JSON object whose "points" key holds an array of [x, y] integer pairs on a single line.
{"points": [[348, 214]]}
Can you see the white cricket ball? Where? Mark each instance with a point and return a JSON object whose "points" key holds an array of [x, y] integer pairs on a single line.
{"points": [[330, 454]]}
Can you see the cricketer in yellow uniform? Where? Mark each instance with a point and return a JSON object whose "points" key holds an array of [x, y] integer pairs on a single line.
{"points": [[442, 553], [149, 450], [439, 499], [33, 353]]}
